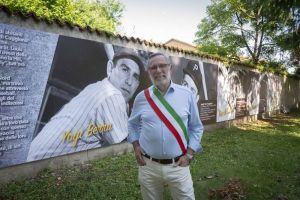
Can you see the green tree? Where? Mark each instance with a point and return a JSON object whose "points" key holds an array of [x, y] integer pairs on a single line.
{"points": [[104, 15], [288, 24], [286, 14], [236, 27]]}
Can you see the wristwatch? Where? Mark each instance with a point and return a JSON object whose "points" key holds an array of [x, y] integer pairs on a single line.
{"points": [[190, 157]]}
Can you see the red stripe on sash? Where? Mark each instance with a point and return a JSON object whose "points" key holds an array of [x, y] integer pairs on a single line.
{"points": [[165, 120]]}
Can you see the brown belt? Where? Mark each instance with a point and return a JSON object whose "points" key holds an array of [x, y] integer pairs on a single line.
{"points": [[163, 161]]}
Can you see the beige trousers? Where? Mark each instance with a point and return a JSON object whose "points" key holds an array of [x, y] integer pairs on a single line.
{"points": [[153, 176]]}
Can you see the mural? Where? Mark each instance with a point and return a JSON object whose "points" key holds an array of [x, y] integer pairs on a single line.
{"points": [[101, 79], [61, 95], [242, 92], [274, 93], [25, 61], [200, 78], [229, 89], [69, 94], [253, 95], [270, 92]]}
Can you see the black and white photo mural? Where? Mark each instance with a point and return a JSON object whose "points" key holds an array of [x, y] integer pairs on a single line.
{"points": [[274, 91], [200, 78], [60, 94], [25, 61], [229, 89], [253, 93], [270, 92]]}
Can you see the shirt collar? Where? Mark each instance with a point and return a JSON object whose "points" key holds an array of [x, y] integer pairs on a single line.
{"points": [[110, 85], [170, 89]]}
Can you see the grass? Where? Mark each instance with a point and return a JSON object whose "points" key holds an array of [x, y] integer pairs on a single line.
{"points": [[257, 161]]}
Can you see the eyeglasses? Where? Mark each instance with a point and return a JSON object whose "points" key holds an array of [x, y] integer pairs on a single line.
{"points": [[160, 66]]}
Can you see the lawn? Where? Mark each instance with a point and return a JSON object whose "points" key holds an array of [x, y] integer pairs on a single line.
{"points": [[257, 160]]}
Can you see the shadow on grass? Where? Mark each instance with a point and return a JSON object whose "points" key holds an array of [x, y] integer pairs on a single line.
{"points": [[285, 121]]}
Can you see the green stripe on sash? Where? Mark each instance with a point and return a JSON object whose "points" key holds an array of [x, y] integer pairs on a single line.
{"points": [[171, 111]]}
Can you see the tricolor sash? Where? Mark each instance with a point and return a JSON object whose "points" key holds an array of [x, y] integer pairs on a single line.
{"points": [[173, 122]]}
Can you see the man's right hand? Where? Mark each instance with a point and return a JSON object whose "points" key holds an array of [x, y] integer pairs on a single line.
{"points": [[138, 153]]}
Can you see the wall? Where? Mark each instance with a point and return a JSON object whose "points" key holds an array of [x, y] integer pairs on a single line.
{"points": [[225, 95]]}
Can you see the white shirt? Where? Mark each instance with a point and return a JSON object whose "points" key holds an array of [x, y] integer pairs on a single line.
{"points": [[97, 105]]}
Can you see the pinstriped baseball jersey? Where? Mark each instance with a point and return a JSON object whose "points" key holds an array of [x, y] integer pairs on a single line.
{"points": [[96, 116]]}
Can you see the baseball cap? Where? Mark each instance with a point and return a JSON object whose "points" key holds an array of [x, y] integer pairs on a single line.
{"points": [[130, 54]]}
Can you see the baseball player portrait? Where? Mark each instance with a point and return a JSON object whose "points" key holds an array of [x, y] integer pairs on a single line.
{"points": [[98, 115], [192, 78]]}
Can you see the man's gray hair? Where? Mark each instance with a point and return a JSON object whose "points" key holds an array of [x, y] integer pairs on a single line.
{"points": [[167, 57]]}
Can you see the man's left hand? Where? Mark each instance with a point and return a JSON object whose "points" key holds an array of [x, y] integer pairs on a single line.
{"points": [[183, 161]]}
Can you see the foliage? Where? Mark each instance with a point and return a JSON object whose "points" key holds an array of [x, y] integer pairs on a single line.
{"points": [[286, 14], [259, 28], [231, 25], [287, 23], [259, 160], [297, 72], [102, 14]]}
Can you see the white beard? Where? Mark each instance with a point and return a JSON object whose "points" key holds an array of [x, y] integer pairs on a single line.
{"points": [[161, 81]]}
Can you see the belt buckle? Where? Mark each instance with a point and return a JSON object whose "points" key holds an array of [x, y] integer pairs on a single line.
{"points": [[168, 161], [162, 161], [174, 163]]}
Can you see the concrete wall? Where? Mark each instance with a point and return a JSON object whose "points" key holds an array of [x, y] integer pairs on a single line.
{"points": [[28, 170]]}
